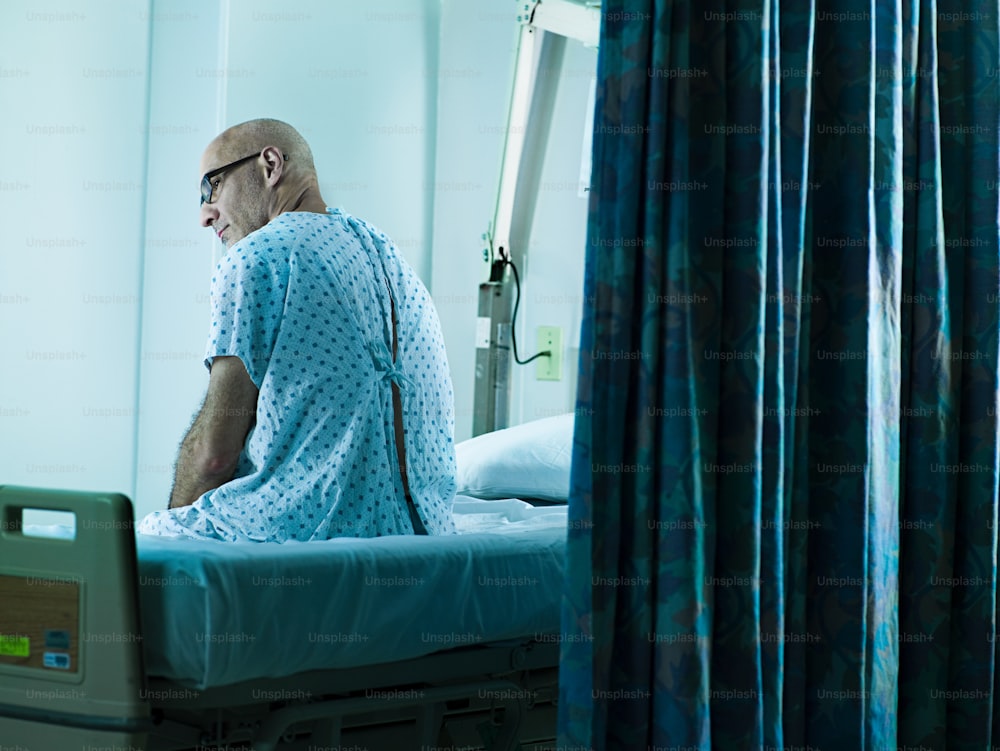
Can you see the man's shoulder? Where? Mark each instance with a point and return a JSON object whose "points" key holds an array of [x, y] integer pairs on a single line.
{"points": [[297, 227], [273, 239], [284, 227]]}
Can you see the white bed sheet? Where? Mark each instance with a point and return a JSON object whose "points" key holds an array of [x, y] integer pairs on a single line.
{"points": [[217, 613]]}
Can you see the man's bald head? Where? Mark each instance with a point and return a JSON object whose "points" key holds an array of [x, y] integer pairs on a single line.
{"points": [[255, 135], [260, 169]]}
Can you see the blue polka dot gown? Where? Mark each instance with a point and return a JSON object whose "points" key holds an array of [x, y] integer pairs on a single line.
{"points": [[305, 303]]}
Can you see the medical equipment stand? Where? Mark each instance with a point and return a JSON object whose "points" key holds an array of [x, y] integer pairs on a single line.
{"points": [[545, 26]]}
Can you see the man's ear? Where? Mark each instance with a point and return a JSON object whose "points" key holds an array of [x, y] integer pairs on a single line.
{"points": [[275, 162]]}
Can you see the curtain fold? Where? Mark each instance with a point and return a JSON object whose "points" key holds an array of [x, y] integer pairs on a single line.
{"points": [[784, 501]]}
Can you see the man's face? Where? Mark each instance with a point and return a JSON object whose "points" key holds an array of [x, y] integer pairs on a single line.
{"points": [[238, 203]]}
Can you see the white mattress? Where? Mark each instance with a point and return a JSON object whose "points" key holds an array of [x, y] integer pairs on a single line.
{"points": [[216, 613]]}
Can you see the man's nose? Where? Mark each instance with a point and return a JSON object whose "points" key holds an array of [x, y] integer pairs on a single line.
{"points": [[208, 214]]}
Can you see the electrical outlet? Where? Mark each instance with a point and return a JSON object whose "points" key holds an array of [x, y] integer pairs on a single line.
{"points": [[549, 368]]}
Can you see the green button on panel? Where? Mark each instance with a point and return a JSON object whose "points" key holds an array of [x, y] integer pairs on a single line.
{"points": [[15, 646]]}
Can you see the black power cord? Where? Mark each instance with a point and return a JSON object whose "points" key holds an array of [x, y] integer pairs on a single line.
{"points": [[513, 320]]}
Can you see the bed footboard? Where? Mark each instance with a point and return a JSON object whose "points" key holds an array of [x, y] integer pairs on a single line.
{"points": [[71, 674]]}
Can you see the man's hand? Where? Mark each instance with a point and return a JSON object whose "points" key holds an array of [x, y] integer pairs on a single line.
{"points": [[211, 449]]}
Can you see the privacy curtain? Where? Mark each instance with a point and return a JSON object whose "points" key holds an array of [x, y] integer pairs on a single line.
{"points": [[783, 515]]}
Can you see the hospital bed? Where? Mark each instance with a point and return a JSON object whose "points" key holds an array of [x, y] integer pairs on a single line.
{"points": [[112, 641]]}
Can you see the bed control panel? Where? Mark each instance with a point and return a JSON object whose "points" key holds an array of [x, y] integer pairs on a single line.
{"points": [[40, 631]]}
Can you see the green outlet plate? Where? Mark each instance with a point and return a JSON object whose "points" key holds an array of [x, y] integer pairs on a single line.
{"points": [[549, 368]]}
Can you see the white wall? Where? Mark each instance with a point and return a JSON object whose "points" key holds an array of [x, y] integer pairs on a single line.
{"points": [[104, 271], [73, 93]]}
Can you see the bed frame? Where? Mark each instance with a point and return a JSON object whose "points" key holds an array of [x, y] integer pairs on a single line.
{"points": [[72, 675]]}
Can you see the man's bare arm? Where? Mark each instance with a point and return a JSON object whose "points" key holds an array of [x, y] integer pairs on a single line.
{"points": [[211, 449]]}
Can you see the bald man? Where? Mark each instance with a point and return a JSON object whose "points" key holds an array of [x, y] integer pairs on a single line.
{"points": [[330, 409]]}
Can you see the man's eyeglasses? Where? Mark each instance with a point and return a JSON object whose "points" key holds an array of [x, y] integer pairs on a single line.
{"points": [[208, 180]]}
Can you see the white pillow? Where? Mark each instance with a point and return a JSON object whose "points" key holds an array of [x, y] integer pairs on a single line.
{"points": [[529, 461]]}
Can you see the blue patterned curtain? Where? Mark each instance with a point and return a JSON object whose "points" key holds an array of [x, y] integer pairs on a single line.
{"points": [[784, 491]]}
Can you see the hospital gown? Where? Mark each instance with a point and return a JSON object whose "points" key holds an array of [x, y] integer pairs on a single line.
{"points": [[304, 303]]}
